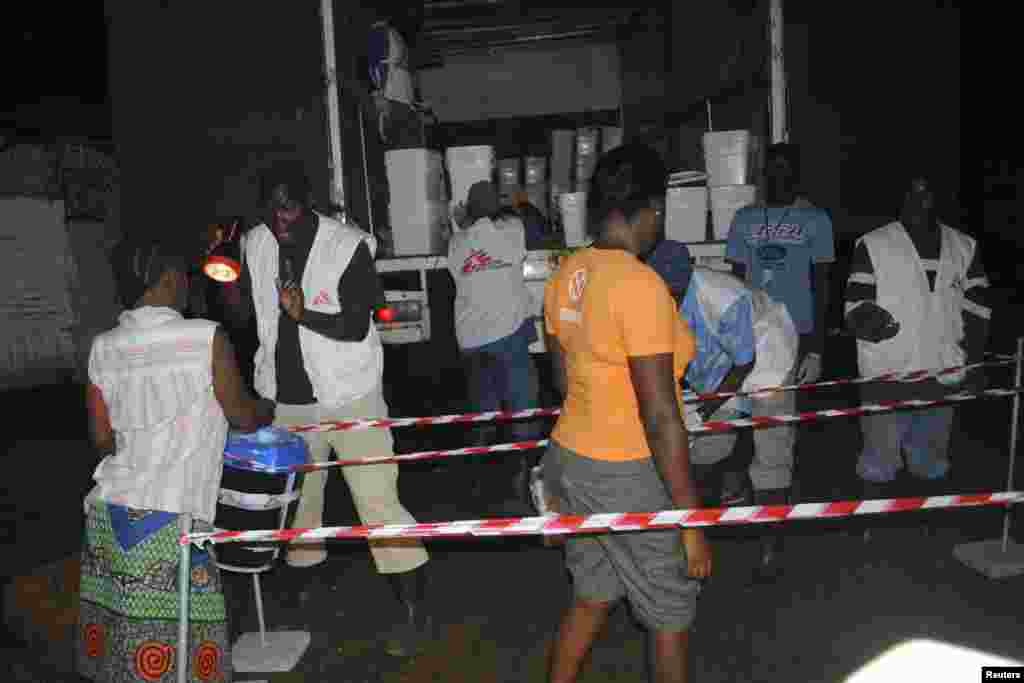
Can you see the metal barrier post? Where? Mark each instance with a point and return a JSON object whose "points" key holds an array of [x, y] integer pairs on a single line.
{"points": [[184, 590], [1000, 558], [1014, 428]]}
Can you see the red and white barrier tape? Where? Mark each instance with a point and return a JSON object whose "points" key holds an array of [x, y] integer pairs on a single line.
{"points": [[864, 409], [405, 457], [906, 377], [688, 397], [707, 427], [615, 521]]}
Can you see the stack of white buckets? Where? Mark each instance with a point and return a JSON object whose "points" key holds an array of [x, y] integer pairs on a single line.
{"points": [[728, 157]]}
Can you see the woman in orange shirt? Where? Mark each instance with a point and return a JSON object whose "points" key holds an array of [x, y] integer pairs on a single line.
{"points": [[620, 445]]}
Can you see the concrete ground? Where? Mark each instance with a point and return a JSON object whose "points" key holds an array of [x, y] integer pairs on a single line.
{"points": [[839, 604]]}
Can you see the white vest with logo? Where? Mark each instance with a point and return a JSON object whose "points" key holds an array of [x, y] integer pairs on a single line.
{"points": [[340, 372], [156, 374], [931, 323], [491, 298]]}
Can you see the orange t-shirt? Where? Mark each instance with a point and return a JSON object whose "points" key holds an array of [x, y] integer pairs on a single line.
{"points": [[604, 306]]}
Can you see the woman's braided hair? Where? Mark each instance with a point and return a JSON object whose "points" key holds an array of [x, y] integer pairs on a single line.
{"points": [[138, 265]]}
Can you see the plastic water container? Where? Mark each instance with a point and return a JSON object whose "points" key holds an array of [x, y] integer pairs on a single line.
{"points": [[573, 207], [536, 171], [686, 214], [467, 166], [509, 171], [419, 228], [727, 157], [588, 151], [587, 142], [415, 174], [561, 166], [257, 464], [726, 200], [269, 449]]}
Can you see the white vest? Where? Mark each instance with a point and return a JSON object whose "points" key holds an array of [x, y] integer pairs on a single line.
{"points": [[156, 374], [340, 372], [931, 323], [399, 80], [491, 299]]}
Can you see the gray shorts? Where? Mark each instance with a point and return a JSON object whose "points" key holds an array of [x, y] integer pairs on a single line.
{"points": [[648, 568]]}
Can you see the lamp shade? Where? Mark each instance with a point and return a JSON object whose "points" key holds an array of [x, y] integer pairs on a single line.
{"points": [[223, 261], [222, 268]]}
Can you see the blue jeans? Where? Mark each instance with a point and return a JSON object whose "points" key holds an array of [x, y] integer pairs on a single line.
{"points": [[923, 436], [502, 377], [916, 439]]}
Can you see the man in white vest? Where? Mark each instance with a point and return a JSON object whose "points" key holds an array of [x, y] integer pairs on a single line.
{"points": [[915, 300], [314, 289]]}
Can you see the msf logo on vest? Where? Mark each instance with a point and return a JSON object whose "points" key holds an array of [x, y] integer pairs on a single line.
{"points": [[477, 260], [322, 298]]}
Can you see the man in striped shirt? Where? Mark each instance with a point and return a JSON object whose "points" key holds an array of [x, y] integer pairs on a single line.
{"points": [[915, 300]]}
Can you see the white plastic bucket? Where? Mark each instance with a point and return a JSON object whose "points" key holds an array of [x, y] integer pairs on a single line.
{"points": [[686, 214], [419, 228], [725, 202], [509, 172], [727, 156], [573, 206], [587, 153], [467, 166], [562, 144], [536, 171], [414, 175]]}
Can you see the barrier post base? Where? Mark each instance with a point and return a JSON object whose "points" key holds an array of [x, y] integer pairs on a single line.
{"points": [[989, 558], [282, 652]]}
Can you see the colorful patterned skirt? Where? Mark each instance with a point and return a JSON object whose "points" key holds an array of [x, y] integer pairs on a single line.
{"points": [[128, 626]]}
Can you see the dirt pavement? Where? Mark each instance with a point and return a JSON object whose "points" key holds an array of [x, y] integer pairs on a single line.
{"points": [[839, 604]]}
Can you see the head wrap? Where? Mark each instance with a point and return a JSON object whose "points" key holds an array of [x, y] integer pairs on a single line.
{"points": [[671, 260]]}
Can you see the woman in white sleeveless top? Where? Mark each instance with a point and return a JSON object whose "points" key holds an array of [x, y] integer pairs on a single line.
{"points": [[162, 392]]}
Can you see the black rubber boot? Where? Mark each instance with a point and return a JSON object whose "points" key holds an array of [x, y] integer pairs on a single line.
{"points": [[411, 634], [769, 567]]}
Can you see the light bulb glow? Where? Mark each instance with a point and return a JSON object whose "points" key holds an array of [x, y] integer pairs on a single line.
{"points": [[222, 268]]}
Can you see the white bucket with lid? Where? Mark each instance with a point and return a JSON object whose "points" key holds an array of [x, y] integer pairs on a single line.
{"points": [[419, 228], [686, 214], [725, 202], [468, 166], [414, 175], [573, 207], [536, 170], [727, 157]]}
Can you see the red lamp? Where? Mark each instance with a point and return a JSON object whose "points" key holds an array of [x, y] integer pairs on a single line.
{"points": [[223, 261]]}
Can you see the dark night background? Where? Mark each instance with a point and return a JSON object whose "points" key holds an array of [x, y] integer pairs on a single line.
{"points": [[875, 93]]}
